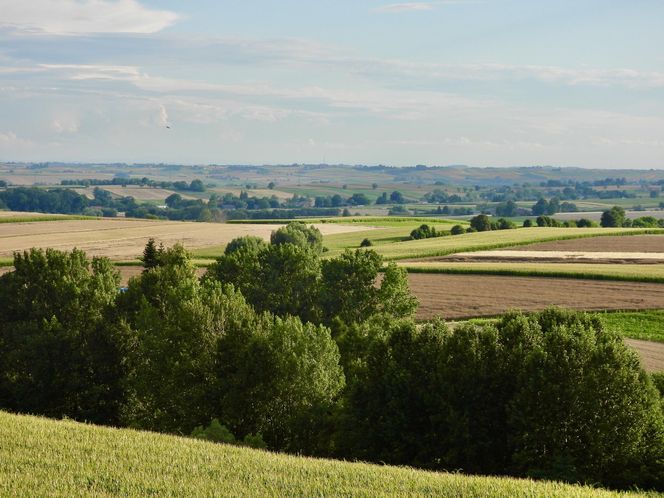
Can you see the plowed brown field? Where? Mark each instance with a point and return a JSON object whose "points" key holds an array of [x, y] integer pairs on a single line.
{"points": [[466, 296]]}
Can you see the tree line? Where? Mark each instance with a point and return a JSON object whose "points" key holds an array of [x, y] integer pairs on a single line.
{"points": [[277, 346]]}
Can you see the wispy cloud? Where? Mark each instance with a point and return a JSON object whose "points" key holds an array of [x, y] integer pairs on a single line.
{"points": [[75, 17], [395, 8], [404, 7]]}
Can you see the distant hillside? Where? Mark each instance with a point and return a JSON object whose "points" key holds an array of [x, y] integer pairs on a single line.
{"points": [[320, 174], [40, 457]]}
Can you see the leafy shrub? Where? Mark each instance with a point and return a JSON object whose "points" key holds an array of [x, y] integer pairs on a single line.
{"points": [[457, 230], [424, 232]]}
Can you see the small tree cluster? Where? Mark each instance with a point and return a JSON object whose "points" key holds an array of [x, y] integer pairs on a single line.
{"points": [[424, 231]]}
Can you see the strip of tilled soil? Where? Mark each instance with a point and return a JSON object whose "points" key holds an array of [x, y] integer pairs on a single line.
{"points": [[631, 243], [466, 296]]}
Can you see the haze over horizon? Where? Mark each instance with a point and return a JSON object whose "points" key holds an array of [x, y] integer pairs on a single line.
{"points": [[476, 82]]}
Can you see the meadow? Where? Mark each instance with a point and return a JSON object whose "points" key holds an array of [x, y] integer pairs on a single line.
{"points": [[643, 325], [83, 460]]}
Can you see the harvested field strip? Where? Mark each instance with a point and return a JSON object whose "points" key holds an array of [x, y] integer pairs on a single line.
{"points": [[622, 272], [637, 243], [125, 239], [480, 241], [469, 296]]}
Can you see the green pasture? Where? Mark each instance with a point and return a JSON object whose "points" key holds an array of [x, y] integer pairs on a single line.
{"points": [[644, 325]]}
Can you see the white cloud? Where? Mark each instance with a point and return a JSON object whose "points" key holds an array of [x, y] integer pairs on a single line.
{"points": [[404, 7], [9, 138], [71, 17], [395, 8], [65, 125]]}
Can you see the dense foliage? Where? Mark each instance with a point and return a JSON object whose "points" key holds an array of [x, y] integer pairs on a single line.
{"points": [[279, 346]]}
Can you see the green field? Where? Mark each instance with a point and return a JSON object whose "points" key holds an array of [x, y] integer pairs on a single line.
{"points": [[595, 271], [381, 230], [442, 246], [389, 237], [41, 457], [645, 325]]}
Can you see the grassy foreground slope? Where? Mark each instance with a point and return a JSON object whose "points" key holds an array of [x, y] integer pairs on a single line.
{"points": [[41, 457]]}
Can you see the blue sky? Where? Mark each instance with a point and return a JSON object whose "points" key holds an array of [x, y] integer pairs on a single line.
{"points": [[478, 82]]}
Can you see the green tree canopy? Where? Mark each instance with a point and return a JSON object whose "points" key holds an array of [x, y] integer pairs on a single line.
{"points": [[299, 234], [56, 356]]}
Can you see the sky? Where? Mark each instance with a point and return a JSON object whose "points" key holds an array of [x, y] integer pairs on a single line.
{"points": [[476, 82]]}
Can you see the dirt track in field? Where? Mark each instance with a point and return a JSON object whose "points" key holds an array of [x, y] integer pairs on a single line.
{"points": [[465, 296], [615, 244]]}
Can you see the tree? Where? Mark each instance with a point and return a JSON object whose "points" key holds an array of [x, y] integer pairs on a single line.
{"points": [[614, 217], [286, 281], [481, 223], [248, 243], [197, 186], [394, 297], [299, 234], [366, 243], [175, 323], [57, 357], [239, 265], [424, 232], [397, 197], [271, 185], [382, 198], [527, 223], [541, 207], [278, 378], [398, 210], [551, 395], [348, 291], [457, 230], [359, 200], [582, 408], [507, 209], [173, 201], [151, 255], [547, 221]]}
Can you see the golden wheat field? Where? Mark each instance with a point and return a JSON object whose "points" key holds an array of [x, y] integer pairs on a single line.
{"points": [[123, 239]]}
